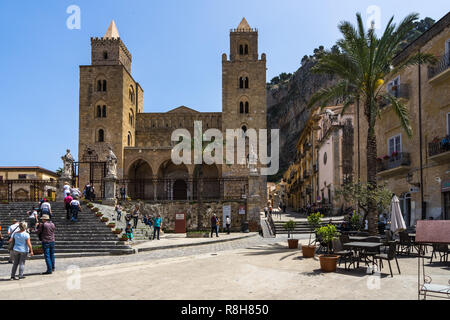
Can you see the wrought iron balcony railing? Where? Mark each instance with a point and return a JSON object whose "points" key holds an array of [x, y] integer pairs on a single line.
{"points": [[441, 66], [439, 146], [394, 161]]}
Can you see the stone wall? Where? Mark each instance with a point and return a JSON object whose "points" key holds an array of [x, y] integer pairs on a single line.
{"points": [[193, 211]]}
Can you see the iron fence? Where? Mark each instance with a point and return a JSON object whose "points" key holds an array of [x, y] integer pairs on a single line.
{"points": [[162, 189], [439, 146], [27, 190], [441, 66]]}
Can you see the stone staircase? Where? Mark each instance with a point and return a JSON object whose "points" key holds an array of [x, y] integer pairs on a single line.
{"points": [[88, 237], [141, 233], [301, 227]]}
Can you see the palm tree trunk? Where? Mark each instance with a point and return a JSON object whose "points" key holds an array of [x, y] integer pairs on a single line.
{"points": [[372, 179]]}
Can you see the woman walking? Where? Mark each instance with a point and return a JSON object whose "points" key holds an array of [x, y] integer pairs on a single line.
{"points": [[22, 245]]}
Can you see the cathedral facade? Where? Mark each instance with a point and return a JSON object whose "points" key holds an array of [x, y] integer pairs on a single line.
{"points": [[111, 116]]}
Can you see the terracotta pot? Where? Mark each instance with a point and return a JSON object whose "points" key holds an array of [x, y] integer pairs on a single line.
{"points": [[328, 262], [308, 251], [123, 239], [293, 243]]}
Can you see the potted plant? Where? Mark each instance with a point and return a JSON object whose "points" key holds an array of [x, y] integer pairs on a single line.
{"points": [[117, 231], [123, 237], [5, 202], [94, 210], [111, 225], [314, 223], [355, 221], [38, 250], [328, 262], [290, 226], [104, 219]]}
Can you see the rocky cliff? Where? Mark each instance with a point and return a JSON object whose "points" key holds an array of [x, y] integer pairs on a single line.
{"points": [[287, 109]]}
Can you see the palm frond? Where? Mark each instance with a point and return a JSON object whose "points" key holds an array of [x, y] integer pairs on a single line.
{"points": [[402, 112]]}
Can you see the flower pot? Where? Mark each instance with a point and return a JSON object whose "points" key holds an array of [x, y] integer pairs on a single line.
{"points": [[293, 243], [328, 262], [308, 251], [111, 225], [117, 231], [123, 239]]}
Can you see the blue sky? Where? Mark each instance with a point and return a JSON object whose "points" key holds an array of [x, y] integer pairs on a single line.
{"points": [[176, 47]]}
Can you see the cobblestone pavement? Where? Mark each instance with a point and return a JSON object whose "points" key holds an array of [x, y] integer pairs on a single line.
{"points": [[37, 266]]}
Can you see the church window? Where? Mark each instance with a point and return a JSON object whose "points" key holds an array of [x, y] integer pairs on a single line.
{"points": [[241, 107], [101, 135], [105, 55], [241, 49], [99, 112], [246, 107], [129, 139], [104, 112], [131, 94], [246, 49], [246, 82], [99, 85], [104, 85]]}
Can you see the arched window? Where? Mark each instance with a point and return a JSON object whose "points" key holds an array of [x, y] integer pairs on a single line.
{"points": [[105, 55], [99, 112], [246, 49], [99, 85], [241, 83], [241, 107], [246, 107], [104, 112], [244, 128], [131, 94], [101, 135], [241, 49], [246, 82], [104, 85], [129, 139]]}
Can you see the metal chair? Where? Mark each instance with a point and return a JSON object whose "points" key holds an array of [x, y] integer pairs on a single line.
{"points": [[343, 254], [344, 238], [442, 250], [390, 255], [405, 244]]}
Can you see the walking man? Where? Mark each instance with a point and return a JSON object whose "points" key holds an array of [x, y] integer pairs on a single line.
{"points": [[214, 225], [46, 233], [67, 200], [228, 224], [75, 207], [157, 225]]}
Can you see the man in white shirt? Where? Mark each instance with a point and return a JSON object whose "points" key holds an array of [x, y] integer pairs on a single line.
{"points": [[46, 208], [11, 230], [66, 190], [75, 208]]}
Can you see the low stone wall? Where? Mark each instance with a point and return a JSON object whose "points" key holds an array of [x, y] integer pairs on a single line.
{"points": [[194, 212]]}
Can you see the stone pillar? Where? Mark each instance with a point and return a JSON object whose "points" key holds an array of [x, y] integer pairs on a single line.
{"points": [[110, 191], [60, 187], [155, 186], [254, 201]]}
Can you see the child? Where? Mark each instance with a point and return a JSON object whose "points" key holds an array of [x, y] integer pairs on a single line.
{"points": [[129, 232]]}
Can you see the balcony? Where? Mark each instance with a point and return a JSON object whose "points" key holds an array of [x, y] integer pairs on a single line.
{"points": [[441, 70], [401, 91], [393, 165], [439, 149]]}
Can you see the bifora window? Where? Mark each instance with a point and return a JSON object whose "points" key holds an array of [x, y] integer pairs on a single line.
{"points": [[101, 135]]}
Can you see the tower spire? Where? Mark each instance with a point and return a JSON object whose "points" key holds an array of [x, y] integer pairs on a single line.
{"points": [[112, 32], [244, 26]]}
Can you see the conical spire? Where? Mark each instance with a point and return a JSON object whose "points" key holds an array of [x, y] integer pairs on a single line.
{"points": [[244, 25], [112, 32]]}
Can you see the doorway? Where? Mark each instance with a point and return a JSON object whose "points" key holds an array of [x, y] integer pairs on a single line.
{"points": [[179, 190], [405, 206]]}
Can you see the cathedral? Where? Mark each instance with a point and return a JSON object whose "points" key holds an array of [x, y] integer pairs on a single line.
{"points": [[111, 116]]}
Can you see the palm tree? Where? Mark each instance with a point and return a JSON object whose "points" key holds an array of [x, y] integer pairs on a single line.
{"points": [[361, 65]]}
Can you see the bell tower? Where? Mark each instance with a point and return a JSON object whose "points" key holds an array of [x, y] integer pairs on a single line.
{"points": [[244, 83], [110, 99]]}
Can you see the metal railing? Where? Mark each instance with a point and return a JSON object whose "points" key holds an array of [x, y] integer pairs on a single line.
{"points": [[394, 161], [441, 66], [439, 146]]}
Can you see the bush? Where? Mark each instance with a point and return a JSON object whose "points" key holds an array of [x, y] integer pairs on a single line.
{"points": [[328, 234], [356, 221]]}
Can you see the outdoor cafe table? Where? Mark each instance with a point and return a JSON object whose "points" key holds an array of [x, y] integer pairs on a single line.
{"points": [[360, 247], [358, 238]]}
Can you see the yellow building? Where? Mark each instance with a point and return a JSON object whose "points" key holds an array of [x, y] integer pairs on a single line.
{"points": [[398, 155], [27, 183]]}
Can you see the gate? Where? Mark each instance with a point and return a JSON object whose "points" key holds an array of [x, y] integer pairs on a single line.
{"points": [[92, 172]]}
